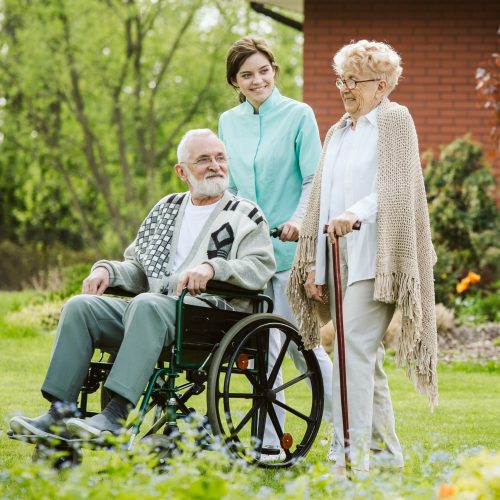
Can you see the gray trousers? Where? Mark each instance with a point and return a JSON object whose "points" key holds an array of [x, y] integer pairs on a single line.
{"points": [[371, 417], [135, 330]]}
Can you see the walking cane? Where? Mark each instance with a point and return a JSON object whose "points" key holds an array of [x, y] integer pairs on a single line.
{"points": [[340, 340]]}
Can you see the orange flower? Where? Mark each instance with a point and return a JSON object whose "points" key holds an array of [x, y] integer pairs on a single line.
{"points": [[463, 285], [447, 491], [470, 279], [473, 277]]}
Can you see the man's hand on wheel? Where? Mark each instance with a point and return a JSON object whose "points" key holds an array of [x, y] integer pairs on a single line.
{"points": [[96, 282], [196, 279]]}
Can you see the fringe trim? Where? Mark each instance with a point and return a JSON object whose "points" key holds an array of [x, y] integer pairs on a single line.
{"points": [[419, 361], [400, 289], [306, 253], [305, 310]]}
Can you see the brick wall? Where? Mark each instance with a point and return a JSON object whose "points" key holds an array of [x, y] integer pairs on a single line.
{"points": [[441, 43]]}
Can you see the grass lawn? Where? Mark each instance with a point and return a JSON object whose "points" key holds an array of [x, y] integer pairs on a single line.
{"points": [[466, 418]]}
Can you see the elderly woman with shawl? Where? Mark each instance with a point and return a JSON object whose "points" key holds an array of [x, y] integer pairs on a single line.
{"points": [[369, 172]]}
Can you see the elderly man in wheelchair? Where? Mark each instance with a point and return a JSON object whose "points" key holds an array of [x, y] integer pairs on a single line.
{"points": [[189, 241]]}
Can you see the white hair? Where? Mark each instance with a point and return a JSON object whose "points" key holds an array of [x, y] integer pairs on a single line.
{"points": [[182, 147], [377, 58]]}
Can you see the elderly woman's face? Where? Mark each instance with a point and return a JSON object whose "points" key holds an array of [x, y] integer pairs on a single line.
{"points": [[363, 97]]}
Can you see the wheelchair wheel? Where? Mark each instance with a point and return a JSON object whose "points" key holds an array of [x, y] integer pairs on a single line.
{"points": [[243, 394], [59, 457], [162, 447]]}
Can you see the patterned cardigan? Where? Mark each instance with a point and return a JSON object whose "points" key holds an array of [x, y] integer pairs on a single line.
{"points": [[235, 241]]}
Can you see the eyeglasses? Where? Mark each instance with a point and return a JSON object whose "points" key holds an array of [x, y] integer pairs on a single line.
{"points": [[206, 161], [351, 84]]}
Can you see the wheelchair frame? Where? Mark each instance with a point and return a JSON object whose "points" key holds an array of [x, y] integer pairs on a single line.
{"points": [[214, 347]]}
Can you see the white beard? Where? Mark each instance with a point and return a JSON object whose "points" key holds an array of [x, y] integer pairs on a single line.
{"points": [[209, 187]]}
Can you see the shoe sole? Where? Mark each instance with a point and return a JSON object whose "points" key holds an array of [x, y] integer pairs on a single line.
{"points": [[79, 428], [21, 427], [272, 455]]}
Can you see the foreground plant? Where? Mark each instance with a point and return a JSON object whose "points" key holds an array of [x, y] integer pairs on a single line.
{"points": [[191, 473], [477, 477]]}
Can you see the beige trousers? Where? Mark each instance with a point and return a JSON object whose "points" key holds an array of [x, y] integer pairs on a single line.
{"points": [[371, 417]]}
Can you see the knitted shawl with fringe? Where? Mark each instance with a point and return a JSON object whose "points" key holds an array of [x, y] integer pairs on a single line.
{"points": [[405, 254]]}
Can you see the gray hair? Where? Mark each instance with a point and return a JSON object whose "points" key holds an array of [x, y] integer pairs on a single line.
{"points": [[378, 58], [182, 147]]}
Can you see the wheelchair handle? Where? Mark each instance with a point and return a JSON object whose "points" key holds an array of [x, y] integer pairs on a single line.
{"points": [[275, 232], [215, 286]]}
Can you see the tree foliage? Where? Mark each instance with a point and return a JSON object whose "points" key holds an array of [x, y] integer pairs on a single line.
{"points": [[94, 96]]}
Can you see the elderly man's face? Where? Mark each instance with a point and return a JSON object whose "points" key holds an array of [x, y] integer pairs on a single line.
{"points": [[363, 98], [206, 168]]}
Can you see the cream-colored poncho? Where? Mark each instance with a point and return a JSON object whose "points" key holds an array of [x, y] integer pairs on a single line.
{"points": [[405, 255]]}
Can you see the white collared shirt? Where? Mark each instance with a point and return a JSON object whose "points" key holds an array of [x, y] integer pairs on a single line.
{"points": [[349, 184]]}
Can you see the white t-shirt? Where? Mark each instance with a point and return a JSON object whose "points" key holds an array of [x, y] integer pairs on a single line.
{"points": [[195, 217]]}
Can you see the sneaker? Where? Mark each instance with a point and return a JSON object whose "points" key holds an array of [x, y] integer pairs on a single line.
{"points": [[43, 426], [270, 454], [92, 427]]}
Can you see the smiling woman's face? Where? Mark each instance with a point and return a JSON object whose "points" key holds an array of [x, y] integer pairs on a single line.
{"points": [[364, 97], [255, 79]]}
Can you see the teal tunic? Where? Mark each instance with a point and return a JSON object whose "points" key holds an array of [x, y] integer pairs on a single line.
{"points": [[270, 154]]}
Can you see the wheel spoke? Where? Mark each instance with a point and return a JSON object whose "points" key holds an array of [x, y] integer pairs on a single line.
{"points": [[275, 422], [253, 380], [277, 428], [245, 395], [246, 418], [294, 381], [261, 360], [261, 427], [295, 412], [279, 362]]}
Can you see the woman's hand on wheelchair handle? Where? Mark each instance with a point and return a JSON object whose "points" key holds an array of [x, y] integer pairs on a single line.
{"points": [[96, 282], [196, 279], [313, 291], [290, 231]]}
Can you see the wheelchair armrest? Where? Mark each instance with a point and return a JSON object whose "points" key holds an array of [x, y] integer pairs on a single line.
{"points": [[121, 292], [220, 287]]}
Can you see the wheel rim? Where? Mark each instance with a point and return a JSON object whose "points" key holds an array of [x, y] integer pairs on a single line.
{"points": [[243, 424]]}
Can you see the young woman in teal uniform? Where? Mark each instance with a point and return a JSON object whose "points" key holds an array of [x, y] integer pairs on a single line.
{"points": [[274, 147]]}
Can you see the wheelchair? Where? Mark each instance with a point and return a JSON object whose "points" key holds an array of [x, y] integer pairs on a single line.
{"points": [[223, 353]]}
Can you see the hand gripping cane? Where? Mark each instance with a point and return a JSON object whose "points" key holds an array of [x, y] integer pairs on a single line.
{"points": [[340, 340]]}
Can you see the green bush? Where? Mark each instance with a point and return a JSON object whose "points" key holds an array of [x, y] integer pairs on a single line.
{"points": [[33, 266], [72, 277], [464, 218], [479, 307]]}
